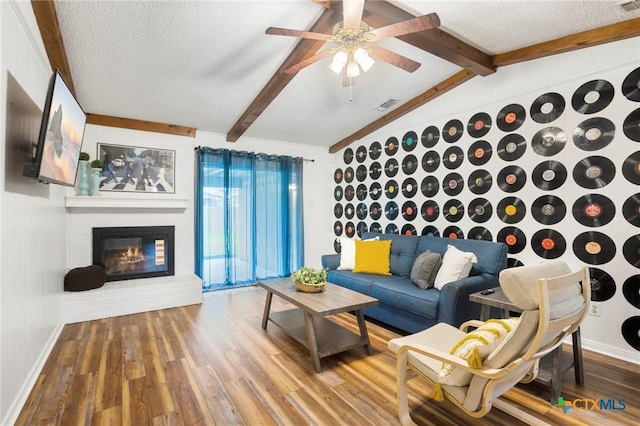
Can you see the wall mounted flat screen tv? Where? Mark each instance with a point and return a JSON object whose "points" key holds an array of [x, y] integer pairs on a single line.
{"points": [[57, 152]]}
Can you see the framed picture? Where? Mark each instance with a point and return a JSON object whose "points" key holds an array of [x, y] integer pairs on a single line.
{"points": [[135, 169]]}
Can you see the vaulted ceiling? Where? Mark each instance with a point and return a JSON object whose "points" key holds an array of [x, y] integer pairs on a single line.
{"points": [[182, 66]]}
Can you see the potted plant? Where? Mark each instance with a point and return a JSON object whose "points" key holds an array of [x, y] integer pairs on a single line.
{"points": [[84, 156], [310, 280]]}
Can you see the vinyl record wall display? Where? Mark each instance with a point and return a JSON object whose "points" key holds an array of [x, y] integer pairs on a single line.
{"points": [[408, 229], [430, 137], [631, 331], [548, 209], [511, 210], [549, 141], [512, 147], [391, 210], [479, 125], [512, 179], [375, 191], [594, 172], [631, 210], [361, 173], [631, 290], [548, 244], [514, 238], [349, 229], [594, 134], [361, 154], [375, 150], [361, 211], [337, 193], [603, 286], [513, 263], [479, 153], [430, 161], [452, 131], [347, 156], [631, 86], [375, 170], [337, 228], [361, 192], [631, 250], [349, 192], [547, 108], [391, 167], [361, 228], [409, 187], [338, 175], [431, 231], [409, 164], [549, 175], [391, 146], [511, 117], [631, 126], [338, 210], [375, 211], [409, 210], [349, 174], [480, 181], [479, 233], [479, 210], [593, 210], [452, 184], [594, 248], [391, 189], [592, 97], [453, 232], [453, 157], [375, 227], [391, 229], [409, 141], [430, 210], [429, 186], [631, 168], [349, 211], [453, 210]]}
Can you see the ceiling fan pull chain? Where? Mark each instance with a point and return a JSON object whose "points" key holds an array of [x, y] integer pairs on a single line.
{"points": [[350, 86]]}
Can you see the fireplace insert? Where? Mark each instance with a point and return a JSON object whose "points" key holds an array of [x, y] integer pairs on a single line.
{"points": [[134, 252]]}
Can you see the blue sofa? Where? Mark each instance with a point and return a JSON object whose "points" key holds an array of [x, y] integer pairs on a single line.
{"points": [[404, 305]]}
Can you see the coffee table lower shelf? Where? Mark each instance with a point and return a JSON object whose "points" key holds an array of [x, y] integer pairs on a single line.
{"points": [[330, 337]]}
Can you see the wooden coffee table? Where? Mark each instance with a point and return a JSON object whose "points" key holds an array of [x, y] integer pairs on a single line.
{"points": [[306, 323]]}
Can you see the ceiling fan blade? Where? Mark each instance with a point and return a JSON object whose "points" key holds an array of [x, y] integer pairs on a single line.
{"points": [[352, 11], [310, 60], [296, 33], [395, 59], [421, 23]]}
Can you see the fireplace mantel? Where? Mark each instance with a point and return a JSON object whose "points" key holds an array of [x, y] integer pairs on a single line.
{"points": [[73, 203]]}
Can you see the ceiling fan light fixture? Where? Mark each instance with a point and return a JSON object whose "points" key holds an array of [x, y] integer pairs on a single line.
{"points": [[340, 59], [362, 58], [353, 70]]}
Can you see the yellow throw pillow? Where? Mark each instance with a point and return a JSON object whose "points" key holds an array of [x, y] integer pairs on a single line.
{"points": [[372, 257]]}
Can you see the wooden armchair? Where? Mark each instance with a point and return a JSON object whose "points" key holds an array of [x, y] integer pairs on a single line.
{"points": [[553, 308]]}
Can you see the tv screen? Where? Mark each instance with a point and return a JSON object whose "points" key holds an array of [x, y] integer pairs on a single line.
{"points": [[60, 139]]}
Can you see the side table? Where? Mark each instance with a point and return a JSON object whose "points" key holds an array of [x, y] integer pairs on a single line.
{"points": [[551, 366]]}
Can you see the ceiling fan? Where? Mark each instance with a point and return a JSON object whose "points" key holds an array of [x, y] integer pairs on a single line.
{"points": [[353, 40]]}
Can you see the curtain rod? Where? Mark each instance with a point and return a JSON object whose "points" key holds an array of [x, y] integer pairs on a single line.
{"points": [[308, 160]]}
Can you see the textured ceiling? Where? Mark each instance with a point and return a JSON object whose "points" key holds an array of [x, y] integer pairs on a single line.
{"points": [[200, 64]]}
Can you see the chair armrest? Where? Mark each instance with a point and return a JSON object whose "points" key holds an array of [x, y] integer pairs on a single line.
{"points": [[330, 261], [454, 306], [471, 323]]}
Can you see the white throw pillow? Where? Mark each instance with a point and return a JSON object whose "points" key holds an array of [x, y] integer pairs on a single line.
{"points": [[456, 264], [348, 253]]}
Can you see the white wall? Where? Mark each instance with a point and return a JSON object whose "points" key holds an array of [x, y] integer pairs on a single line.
{"points": [[33, 230]]}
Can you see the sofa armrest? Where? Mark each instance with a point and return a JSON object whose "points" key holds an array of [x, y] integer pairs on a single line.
{"points": [[330, 261], [454, 306]]}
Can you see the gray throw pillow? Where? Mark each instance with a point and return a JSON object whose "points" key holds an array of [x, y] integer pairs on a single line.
{"points": [[425, 268]]}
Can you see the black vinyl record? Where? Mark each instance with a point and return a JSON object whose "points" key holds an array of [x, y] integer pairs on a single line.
{"points": [[430, 137], [337, 228], [375, 191], [511, 117], [409, 187], [594, 248], [452, 131], [430, 210], [603, 286], [631, 250], [375, 150], [429, 186], [338, 175], [594, 172], [511, 210], [593, 96], [548, 244], [593, 210], [430, 161], [337, 193], [361, 154], [480, 210], [409, 210], [361, 228], [453, 210], [391, 210], [453, 232], [349, 174], [375, 227], [512, 147], [391, 167], [349, 193], [452, 184], [547, 107], [549, 141], [479, 125], [631, 85], [452, 157], [361, 192], [375, 170], [631, 210], [480, 181], [338, 210], [336, 246], [631, 125], [594, 134], [375, 211], [391, 189], [631, 168], [349, 229], [548, 209], [409, 141], [361, 211], [430, 231], [391, 146], [347, 156], [479, 233], [479, 153], [361, 173], [514, 238], [512, 179], [349, 211], [391, 229], [408, 229], [631, 290], [549, 175], [631, 331], [513, 262], [409, 164]]}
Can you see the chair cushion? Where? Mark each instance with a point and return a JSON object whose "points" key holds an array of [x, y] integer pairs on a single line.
{"points": [[456, 264], [425, 269], [372, 257]]}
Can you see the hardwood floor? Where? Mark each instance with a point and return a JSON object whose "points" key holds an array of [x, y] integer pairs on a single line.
{"points": [[213, 364]]}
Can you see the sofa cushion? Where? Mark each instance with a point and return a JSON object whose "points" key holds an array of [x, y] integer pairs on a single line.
{"points": [[402, 293], [403, 251], [372, 257], [359, 282], [425, 269], [456, 264], [492, 256], [348, 252]]}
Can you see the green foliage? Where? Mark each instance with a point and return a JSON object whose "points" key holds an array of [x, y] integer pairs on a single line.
{"points": [[310, 276], [84, 156], [96, 164]]}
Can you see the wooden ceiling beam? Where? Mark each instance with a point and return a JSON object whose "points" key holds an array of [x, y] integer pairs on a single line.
{"points": [[147, 126], [303, 50]]}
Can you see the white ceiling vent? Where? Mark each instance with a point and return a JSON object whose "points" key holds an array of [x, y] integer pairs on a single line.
{"points": [[387, 104], [629, 5]]}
